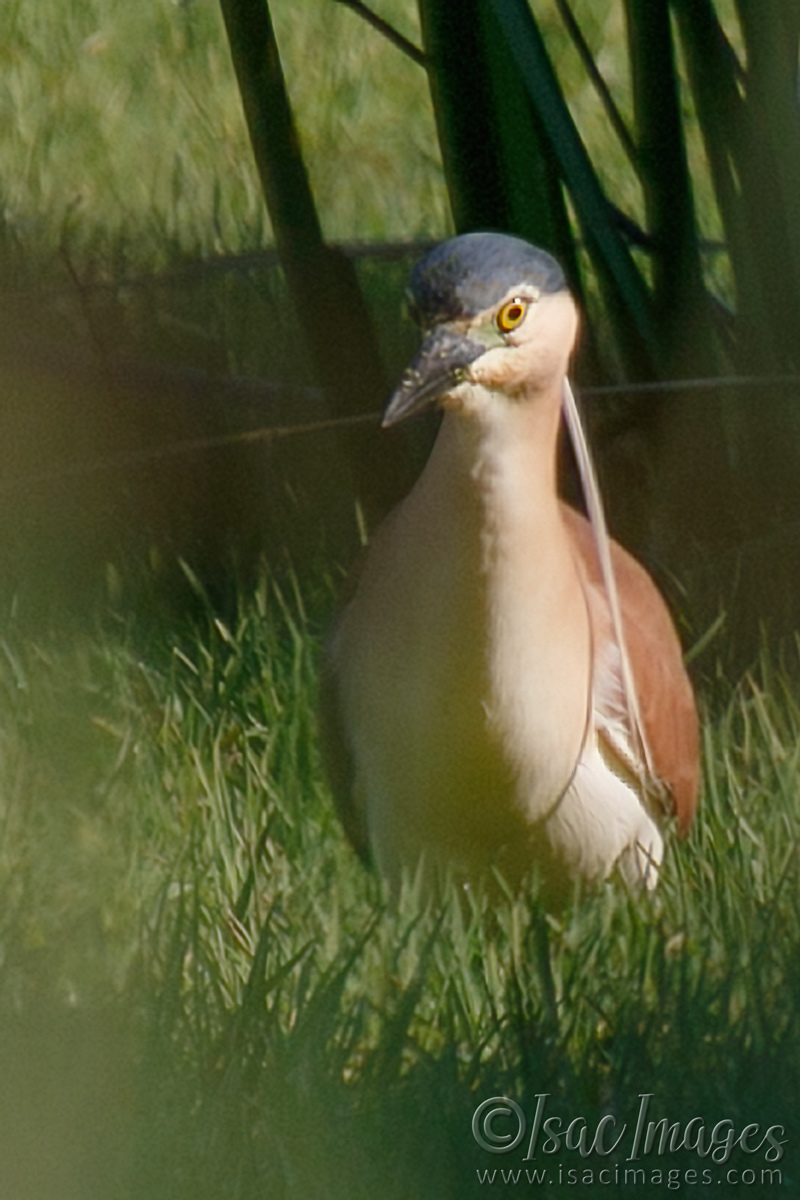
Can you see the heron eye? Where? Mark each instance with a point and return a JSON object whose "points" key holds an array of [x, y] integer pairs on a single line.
{"points": [[511, 315]]}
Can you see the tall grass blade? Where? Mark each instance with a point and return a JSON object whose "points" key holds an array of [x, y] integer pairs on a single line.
{"points": [[714, 75], [768, 161], [679, 297], [629, 302], [322, 281], [499, 172]]}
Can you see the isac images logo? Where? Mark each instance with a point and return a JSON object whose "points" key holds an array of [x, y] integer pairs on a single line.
{"points": [[642, 1151]]}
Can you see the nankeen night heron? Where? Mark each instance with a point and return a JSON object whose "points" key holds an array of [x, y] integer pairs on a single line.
{"points": [[505, 685]]}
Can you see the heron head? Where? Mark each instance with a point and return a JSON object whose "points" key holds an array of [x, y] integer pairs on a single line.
{"points": [[496, 317]]}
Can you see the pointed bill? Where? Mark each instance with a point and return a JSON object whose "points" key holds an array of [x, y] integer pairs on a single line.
{"points": [[439, 366]]}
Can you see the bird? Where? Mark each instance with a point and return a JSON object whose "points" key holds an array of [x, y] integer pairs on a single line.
{"points": [[504, 691]]}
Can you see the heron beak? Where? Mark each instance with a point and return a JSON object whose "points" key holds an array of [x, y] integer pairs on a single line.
{"points": [[439, 366]]}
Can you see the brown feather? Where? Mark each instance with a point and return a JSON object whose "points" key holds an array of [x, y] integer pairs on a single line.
{"points": [[666, 699]]}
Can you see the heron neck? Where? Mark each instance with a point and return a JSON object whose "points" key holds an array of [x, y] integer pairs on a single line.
{"points": [[502, 456], [513, 588]]}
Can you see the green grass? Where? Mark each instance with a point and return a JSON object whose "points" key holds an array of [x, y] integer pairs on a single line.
{"points": [[121, 129], [121, 132], [203, 993]]}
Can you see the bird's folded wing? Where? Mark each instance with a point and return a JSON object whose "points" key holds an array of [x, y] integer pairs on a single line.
{"points": [[665, 699]]}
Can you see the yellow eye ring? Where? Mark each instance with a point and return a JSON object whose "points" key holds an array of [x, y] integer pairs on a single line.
{"points": [[511, 315]]}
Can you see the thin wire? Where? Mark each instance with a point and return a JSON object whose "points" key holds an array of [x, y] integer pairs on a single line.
{"points": [[691, 385], [130, 458], [269, 433]]}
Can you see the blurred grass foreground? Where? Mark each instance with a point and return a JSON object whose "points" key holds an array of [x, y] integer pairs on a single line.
{"points": [[202, 992]]}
